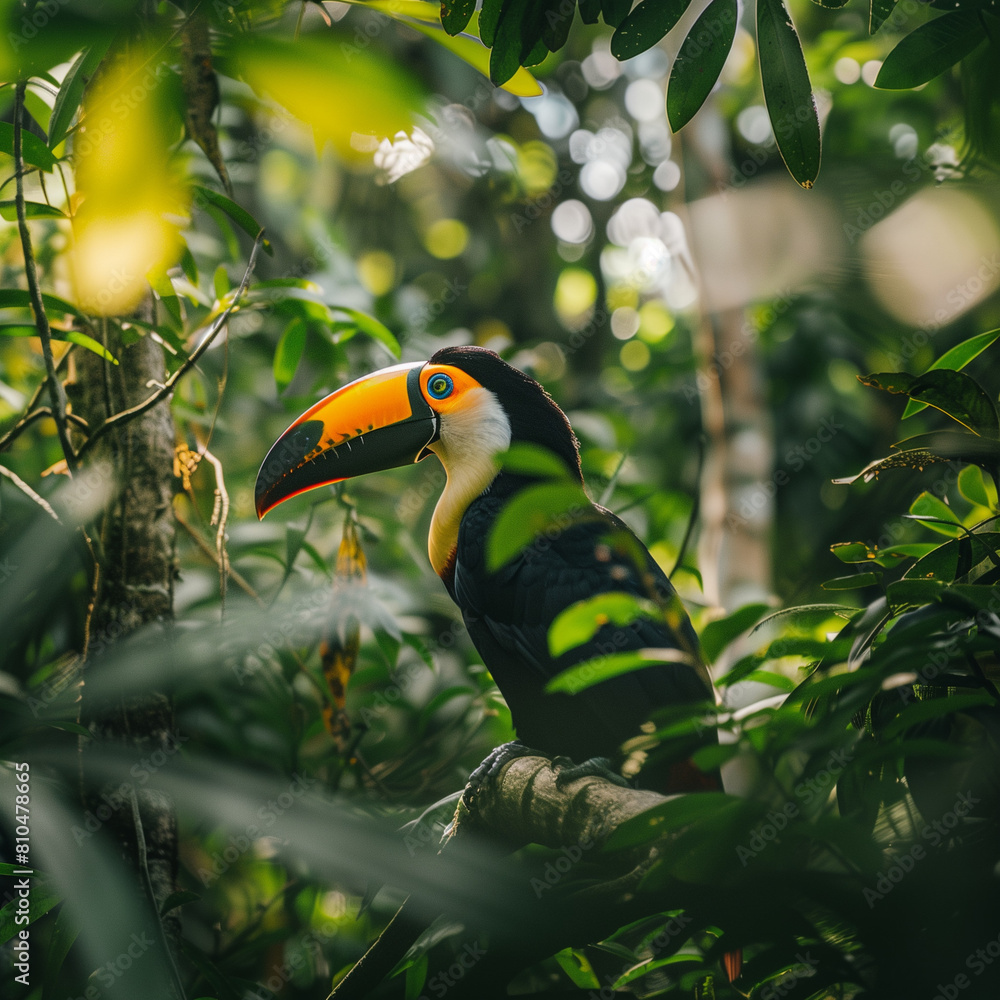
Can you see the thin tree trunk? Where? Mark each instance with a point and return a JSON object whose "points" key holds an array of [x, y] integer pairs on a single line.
{"points": [[135, 544]]}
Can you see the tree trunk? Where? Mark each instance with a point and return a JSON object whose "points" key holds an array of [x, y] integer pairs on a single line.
{"points": [[134, 541]]}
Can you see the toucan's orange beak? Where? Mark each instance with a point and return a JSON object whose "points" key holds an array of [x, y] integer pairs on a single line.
{"points": [[378, 422]]}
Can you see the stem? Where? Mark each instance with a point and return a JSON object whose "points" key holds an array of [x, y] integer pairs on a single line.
{"points": [[56, 390]]}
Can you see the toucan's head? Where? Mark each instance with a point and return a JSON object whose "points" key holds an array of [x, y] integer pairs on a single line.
{"points": [[465, 405]]}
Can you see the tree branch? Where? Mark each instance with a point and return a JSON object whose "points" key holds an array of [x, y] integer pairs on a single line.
{"points": [[57, 392], [164, 391]]}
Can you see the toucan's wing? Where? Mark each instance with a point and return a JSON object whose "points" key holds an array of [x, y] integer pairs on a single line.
{"points": [[509, 613]]}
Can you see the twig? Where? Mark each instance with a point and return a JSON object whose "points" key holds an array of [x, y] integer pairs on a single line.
{"points": [[220, 517], [124, 416], [29, 418], [29, 492], [234, 575], [56, 390]]}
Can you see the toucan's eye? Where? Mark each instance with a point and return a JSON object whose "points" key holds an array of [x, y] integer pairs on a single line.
{"points": [[440, 386]]}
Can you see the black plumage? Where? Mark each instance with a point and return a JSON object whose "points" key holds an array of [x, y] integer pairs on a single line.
{"points": [[509, 612]]}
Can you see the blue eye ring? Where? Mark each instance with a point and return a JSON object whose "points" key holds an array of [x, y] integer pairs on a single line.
{"points": [[440, 386]]}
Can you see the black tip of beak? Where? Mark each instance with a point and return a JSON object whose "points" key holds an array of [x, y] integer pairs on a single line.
{"points": [[283, 471]]}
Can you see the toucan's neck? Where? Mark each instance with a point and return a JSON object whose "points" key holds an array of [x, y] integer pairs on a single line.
{"points": [[471, 439]]}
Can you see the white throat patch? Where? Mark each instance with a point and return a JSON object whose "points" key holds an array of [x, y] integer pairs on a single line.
{"points": [[471, 438]]}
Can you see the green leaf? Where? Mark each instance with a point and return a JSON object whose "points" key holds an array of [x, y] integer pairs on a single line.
{"points": [[472, 51], [530, 513], [206, 196], [934, 708], [929, 50], [720, 633], [614, 11], [819, 612], [956, 359], [529, 459], [913, 592], [507, 51], [955, 394], [645, 26], [927, 506], [879, 11], [35, 152], [18, 298], [289, 353], [699, 62], [975, 488], [489, 18], [71, 91], [176, 899], [455, 14], [787, 92], [590, 11], [40, 901], [373, 328], [853, 582], [32, 210], [581, 621], [72, 336], [602, 668]]}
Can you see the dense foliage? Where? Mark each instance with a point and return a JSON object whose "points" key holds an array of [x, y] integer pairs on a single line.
{"points": [[225, 211]]}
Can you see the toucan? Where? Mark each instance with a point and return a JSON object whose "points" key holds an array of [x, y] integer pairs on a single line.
{"points": [[468, 407]]}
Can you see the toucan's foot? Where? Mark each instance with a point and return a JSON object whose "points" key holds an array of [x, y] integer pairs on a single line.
{"points": [[493, 765], [591, 767]]}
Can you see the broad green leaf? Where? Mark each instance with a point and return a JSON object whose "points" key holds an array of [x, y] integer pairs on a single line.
{"points": [[34, 151], [814, 612], [160, 282], [40, 901], [83, 340], [934, 708], [507, 51], [558, 19], [524, 520], [614, 11], [975, 488], [954, 393], [787, 91], [720, 633], [602, 668], [853, 582], [831, 4], [699, 62], [852, 552], [927, 505], [913, 592], [489, 18], [879, 11], [70, 94], [455, 14], [289, 353], [645, 26], [590, 11], [533, 460], [71, 336], [242, 218], [373, 328], [472, 51], [964, 4], [32, 210], [929, 50], [956, 359], [581, 621]]}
